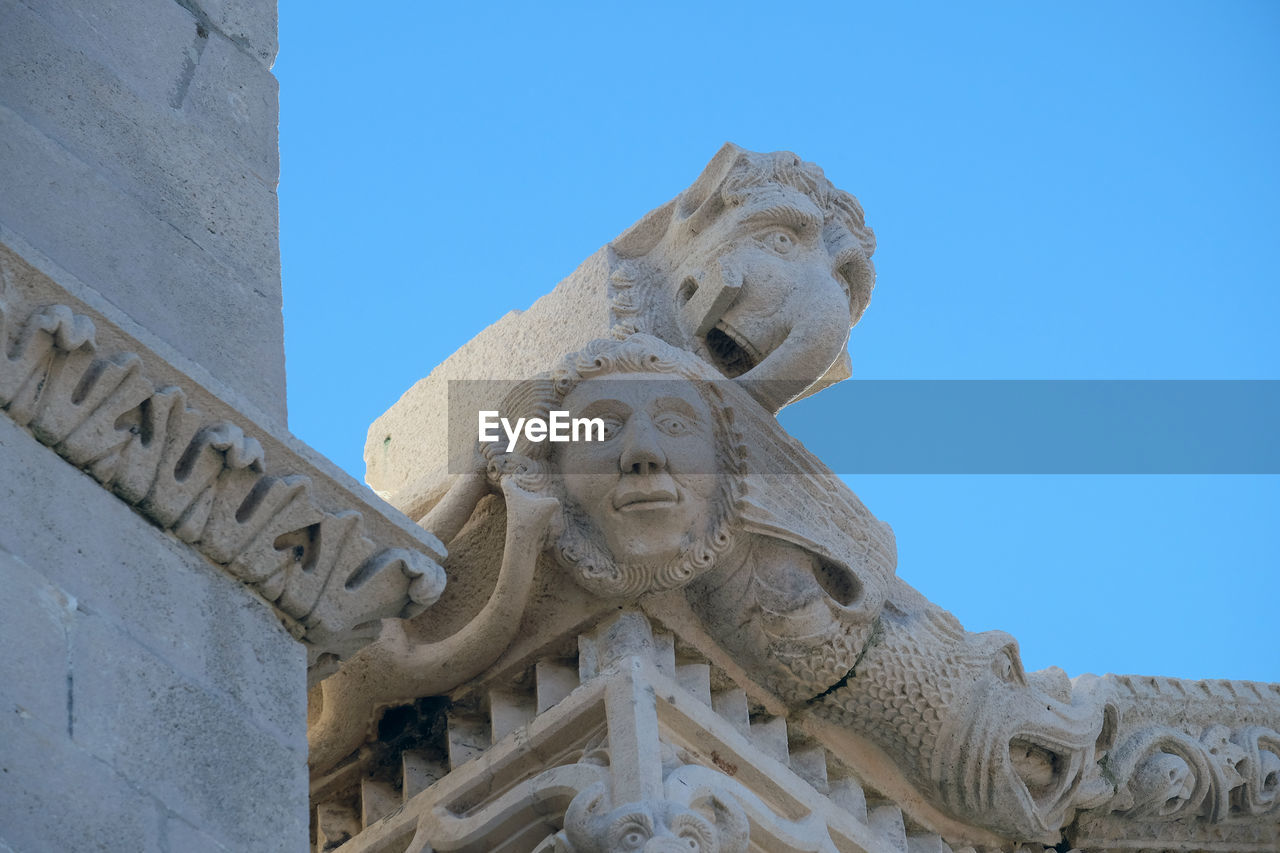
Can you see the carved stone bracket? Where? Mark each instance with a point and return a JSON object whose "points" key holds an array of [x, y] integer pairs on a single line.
{"points": [[768, 571], [638, 756], [199, 475]]}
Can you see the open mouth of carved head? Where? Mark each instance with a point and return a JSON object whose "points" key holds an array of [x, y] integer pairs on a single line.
{"points": [[731, 353], [1049, 771]]}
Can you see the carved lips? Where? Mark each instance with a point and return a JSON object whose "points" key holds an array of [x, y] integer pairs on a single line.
{"points": [[640, 497]]}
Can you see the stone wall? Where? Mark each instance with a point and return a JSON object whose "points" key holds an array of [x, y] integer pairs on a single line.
{"points": [[148, 700], [138, 150]]}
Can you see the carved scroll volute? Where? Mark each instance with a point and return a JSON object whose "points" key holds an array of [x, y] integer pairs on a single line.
{"points": [[1259, 794], [1162, 773]]}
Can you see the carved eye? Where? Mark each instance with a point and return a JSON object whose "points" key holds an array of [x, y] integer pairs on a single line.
{"points": [[673, 425], [634, 838], [694, 832], [612, 426], [779, 240]]}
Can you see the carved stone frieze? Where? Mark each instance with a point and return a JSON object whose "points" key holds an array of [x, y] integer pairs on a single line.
{"points": [[792, 580], [634, 757], [1194, 762], [200, 476], [759, 269], [806, 699]]}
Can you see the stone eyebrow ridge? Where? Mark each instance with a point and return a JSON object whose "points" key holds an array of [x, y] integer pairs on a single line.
{"points": [[785, 214]]}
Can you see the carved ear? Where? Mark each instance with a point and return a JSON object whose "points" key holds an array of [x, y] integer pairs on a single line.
{"points": [[583, 811], [730, 820], [701, 202], [639, 239]]}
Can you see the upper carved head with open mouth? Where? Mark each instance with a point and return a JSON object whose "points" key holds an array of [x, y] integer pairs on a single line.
{"points": [[765, 267]]}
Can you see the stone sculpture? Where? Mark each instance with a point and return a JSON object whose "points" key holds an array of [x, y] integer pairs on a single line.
{"points": [[652, 826], [200, 476], [992, 744], [669, 496], [395, 668], [760, 269], [826, 676]]}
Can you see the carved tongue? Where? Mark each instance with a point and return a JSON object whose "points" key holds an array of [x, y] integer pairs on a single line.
{"points": [[1041, 769]]}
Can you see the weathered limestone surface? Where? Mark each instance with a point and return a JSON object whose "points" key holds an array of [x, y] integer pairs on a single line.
{"points": [[138, 149], [174, 573], [148, 700], [150, 688], [263, 506], [173, 564], [763, 285], [751, 674]]}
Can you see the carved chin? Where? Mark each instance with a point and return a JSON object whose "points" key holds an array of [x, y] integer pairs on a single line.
{"points": [[580, 549]]}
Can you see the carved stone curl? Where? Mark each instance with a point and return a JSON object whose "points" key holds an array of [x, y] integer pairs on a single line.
{"points": [[1166, 774], [713, 824], [1259, 791]]}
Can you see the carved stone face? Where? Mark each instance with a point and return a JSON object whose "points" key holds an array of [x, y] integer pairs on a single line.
{"points": [[1015, 747], [789, 315], [648, 487], [653, 826], [991, 744]]}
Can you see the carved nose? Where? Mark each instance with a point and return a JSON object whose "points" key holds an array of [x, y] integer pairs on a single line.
{"points": [[641, 451]]}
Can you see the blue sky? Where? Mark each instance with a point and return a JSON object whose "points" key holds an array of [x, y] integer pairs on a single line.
{"points": [[1059, 191]]}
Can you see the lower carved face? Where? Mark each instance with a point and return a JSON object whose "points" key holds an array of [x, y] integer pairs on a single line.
{"points": [[1015, 747], [645, 496], [654, 826]]}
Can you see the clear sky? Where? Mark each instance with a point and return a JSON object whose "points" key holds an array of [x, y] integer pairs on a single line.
{"points": [[1059, 191]]}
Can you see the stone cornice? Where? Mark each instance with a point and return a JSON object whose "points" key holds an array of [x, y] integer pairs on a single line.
{"points": [[330, 557]]}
